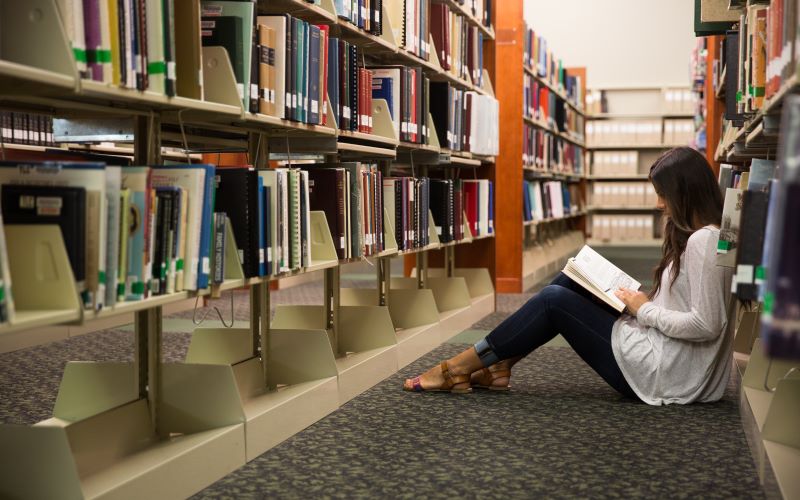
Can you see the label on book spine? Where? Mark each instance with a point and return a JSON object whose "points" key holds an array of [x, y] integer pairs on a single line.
{"points": [[744, 274]]}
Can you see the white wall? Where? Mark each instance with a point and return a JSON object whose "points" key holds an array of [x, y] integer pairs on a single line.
{"points": [[622, 43]]}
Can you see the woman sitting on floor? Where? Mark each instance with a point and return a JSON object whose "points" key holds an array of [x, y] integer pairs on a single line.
{"points": [[669, 347]]}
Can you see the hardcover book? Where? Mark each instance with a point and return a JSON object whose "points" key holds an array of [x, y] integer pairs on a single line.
{"points": [[598, 276]]}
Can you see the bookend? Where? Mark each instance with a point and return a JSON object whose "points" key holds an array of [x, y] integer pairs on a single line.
{"points": [[433, 136], [361, 336], [329, 6], [285, 379], [487, 83], [387, 30], [301, 367], [321, 246], [382, 120], [42, 280], [468, 236], [365, 342], [219, 82], [80, 452], [32, 36], [434, 55], [756, 401], [459, 306]]}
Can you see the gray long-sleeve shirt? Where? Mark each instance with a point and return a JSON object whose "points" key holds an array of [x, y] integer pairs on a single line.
{"points": [[674, 350]]}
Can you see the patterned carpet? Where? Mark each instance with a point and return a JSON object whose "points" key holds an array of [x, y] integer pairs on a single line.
{"points": [[561, 432]]}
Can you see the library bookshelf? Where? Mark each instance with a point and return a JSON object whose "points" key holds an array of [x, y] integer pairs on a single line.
{"points": [[539, 105], [149, 428], [769, 396], [628, 128]]}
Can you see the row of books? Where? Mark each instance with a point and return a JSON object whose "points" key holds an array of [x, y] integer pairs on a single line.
{"points": [[480, 10], [749, 227], [623, 227], [26, 128], [615, 163], [758, 57], [479, 206], [634, 194], [775, 262], [459, 44], [544, 150], [406, 91], [673, 101], [465, 120], [537, 55], [679, 131], [610, 132], [366, 14], [282, 65], [305, 70], [131, 43], [454, 199], [539, 103], [408, 200], [129, 232], [549, 200], [738, 186]]}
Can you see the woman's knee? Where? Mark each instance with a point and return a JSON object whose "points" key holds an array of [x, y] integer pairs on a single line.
{"points": [[553, 294]]}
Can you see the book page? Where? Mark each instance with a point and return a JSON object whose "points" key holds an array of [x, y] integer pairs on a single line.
{"points": [[602, 273]]}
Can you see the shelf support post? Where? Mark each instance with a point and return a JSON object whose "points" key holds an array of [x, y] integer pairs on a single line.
{"points": [[383, 270], [258, 153], [332, 301], [148, 323]]}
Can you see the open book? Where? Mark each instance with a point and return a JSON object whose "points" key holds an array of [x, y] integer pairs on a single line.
{"points": [[599, 276]]}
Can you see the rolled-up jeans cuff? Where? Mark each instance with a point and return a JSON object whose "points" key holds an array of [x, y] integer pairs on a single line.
{"points": [[486, 353]]}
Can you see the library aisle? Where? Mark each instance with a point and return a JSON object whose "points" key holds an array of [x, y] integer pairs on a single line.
{"points": [[572, 433], [239, 239]]}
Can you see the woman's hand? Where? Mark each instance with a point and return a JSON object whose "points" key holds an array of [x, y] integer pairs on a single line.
{"points": [[633, 300]]}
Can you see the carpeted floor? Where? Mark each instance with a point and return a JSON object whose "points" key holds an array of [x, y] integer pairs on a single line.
{"points": [[561, 432]]}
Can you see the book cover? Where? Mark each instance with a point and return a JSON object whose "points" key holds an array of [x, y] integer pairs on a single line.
{"points": [[113, 185], [326, 192], [188, 49], [218, 259], [156, 62], [750, 244], [279, 55], [124, 233], [237, 196], [314, 89]]}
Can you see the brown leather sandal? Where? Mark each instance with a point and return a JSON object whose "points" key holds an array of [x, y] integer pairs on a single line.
{"points": [[450, 383], [494, 375]]}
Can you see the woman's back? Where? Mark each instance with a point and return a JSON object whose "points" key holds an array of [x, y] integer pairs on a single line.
{"points": [[675, 349]]}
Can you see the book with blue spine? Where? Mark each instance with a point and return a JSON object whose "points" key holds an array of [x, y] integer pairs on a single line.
{"points": [[137, 181]]}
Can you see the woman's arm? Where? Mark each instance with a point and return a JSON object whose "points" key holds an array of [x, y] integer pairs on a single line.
{"points": [[706, 319]]}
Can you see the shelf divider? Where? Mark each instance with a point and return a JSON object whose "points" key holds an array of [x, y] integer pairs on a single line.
{"points": [[31, 34], [219, 82]]}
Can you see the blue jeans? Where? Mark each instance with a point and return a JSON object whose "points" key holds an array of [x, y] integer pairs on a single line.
{"points": [[562, 307]]}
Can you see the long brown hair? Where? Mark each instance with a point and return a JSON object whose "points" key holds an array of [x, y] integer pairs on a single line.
{"points": [[683, 178]]}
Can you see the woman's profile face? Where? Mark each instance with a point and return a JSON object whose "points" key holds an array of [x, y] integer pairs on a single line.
{"points": [[661, 205]]}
